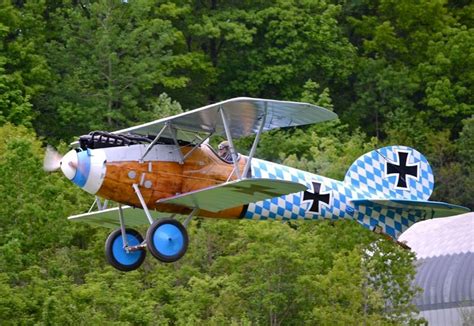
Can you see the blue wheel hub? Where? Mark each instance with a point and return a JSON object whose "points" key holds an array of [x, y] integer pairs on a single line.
{"points": [[121, 255], [168, 240]]}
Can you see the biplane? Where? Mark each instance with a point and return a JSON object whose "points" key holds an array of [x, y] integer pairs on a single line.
{"points": [[166, 168]]}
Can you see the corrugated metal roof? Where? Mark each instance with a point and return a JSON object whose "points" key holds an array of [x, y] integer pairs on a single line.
{"points": [[447, 281], [452, 316], [445, 266]]}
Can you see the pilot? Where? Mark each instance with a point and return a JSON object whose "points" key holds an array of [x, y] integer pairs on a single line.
{"points": [[224, 151]]}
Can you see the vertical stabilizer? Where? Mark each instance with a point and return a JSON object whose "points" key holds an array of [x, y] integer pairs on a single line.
{"points": [[392, 172]]}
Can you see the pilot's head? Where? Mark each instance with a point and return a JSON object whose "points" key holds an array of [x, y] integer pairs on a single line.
{"points": [[224, 150]]}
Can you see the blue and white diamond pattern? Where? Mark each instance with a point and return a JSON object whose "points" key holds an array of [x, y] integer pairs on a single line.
{"points": [[291, 207], [365, 179], [392, 221]]}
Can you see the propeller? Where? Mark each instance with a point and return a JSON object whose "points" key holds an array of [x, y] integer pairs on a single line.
{"points": [[52, 160], [68, 163]]}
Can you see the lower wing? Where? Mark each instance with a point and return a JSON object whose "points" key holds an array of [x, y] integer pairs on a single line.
{"points": [[213, 199], [109, 217], [235, 193]]}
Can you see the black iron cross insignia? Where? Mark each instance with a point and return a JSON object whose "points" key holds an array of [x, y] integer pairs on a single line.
{"points": [[316, 197], [402, 170]]}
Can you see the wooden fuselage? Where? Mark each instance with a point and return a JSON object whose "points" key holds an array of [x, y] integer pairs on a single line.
{"points": [[160, 175]]}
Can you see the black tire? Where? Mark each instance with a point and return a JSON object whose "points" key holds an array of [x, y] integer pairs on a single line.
{"points": [[167, 240], [118, 257]]}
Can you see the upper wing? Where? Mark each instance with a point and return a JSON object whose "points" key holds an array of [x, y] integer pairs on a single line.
{"points": [[235, 193], [433, 209], [243, 114]]}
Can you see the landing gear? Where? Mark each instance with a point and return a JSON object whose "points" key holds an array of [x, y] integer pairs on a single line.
{"points": [[167, 240], [125, 254]]}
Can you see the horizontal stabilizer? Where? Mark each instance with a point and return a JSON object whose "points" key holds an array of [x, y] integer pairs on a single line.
{"points": [[109, 218], [235, 193], [432, 209]]}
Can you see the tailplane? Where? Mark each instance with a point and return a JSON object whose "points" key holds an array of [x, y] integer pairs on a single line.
{"points": [[427, 209]]}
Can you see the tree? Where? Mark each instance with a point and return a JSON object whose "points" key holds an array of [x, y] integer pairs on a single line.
{"points": [[453, 166], [267, 48], [111, 60], [398, 69], [23, 70], [292, 44], [414, 58]]}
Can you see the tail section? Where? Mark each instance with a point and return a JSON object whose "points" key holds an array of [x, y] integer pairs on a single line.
{"points": [[393, 172], [391, 187]]}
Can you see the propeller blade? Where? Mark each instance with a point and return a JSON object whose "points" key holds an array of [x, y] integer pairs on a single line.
{"points": [[52, 159]]}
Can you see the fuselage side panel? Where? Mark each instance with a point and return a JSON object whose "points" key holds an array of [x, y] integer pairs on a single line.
{"points": [[325, 197]]}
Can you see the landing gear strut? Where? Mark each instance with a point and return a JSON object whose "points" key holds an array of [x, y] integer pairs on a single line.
{"points": [[166, 239]]}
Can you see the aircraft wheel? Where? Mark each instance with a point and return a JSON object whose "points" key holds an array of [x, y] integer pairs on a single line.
{"points": [[120, 258], [167, 240]]}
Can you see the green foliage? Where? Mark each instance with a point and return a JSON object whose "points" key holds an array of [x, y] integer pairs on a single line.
{"points": [[111, 60], [293, 42], [447, 75], [23, 70], [328, 149], [33, 199], [382, 89], [454, 170], [416, 57]]}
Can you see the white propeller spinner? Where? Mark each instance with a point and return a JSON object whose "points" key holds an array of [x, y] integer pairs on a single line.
{"points": [[54, 161]]}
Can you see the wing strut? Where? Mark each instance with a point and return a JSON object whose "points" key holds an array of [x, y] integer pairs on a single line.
{"points": [[122, 227], [169, 126], [100, 205], [148, 149], [255, 142], [175, 140], [199, 144], [231, 143]]}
